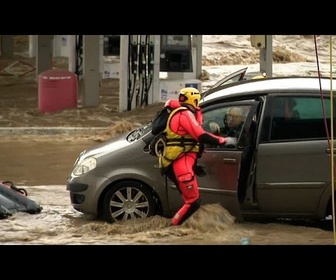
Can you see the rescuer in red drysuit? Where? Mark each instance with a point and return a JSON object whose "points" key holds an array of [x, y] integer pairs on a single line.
{"points": [[181, 171]]}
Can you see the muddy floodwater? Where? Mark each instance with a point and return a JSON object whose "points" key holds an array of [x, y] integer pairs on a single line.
{"points": [[42, 164], [42, 168]]}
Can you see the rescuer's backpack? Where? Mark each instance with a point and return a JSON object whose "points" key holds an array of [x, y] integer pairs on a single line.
{"points": [[159, 124]]}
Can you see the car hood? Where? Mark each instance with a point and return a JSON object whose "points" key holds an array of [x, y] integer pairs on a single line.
{"points": [[142, 134], [106, 147]]}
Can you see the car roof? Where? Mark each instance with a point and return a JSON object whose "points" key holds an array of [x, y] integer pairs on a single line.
{"points": [[268, 85]]}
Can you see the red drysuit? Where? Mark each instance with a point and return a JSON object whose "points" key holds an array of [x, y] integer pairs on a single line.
{"points": [[181, 171]]}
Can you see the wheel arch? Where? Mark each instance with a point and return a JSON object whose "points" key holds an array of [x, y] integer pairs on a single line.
{"points": [[326, 202]]}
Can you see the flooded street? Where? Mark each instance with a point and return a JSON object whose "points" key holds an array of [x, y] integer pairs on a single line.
{"points": [[41, 163], [41, 167]]}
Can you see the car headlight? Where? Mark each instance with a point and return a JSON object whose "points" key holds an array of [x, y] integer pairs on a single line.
{"points": [[85, 166]]}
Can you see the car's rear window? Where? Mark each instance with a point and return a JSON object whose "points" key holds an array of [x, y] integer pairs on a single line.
{"points": [[299, 117]]}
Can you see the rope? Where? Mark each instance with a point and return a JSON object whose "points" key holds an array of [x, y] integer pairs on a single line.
{"points": [[332, 141]]}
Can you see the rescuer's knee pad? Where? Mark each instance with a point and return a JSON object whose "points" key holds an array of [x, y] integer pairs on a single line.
{"points": [[189, 187]]}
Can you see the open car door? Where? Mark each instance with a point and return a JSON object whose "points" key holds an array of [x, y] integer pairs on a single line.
{"points": [[227, 166], [232, 78]]}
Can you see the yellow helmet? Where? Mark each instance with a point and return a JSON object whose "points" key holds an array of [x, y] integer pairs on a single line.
{"points": [[190, 95]]}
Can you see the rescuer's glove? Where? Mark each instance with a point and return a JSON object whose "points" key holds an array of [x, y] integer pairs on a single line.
{"points": [[199, 170], [231, 141]]}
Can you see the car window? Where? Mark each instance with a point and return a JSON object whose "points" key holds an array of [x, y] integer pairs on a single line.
{"points": [[299, 118], [227, 120]]}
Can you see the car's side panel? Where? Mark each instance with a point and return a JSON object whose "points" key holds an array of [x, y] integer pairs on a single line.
{"points": [[293, 166], [291, 177]]}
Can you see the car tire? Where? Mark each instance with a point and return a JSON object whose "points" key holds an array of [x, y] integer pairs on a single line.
{"points": [[128, 200]]}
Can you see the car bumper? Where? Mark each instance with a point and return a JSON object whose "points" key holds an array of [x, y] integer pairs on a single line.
{"points": [[85, 192]]}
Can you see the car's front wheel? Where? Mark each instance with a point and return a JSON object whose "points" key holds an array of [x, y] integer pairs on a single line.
{"points": [[128, 200]]}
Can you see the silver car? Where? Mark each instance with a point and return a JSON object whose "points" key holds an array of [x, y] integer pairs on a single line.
{"points": [[283, 172]]}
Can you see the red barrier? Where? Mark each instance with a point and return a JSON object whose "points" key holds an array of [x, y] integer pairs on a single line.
{"points": [[57, 90]]}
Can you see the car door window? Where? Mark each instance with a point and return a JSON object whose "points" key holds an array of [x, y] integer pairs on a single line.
{"points": [[226, 120], [299, 118]]}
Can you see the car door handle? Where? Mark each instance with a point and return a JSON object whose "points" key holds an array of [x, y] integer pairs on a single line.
{"points": [[230, 160], [328, 151]]}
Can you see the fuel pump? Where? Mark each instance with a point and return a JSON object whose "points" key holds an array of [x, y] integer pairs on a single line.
{"points": [[146, 67], [177, 58], [132, 68], [140, 69], [156, 71], [176, 53], [150, 63], [111, 45]]}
